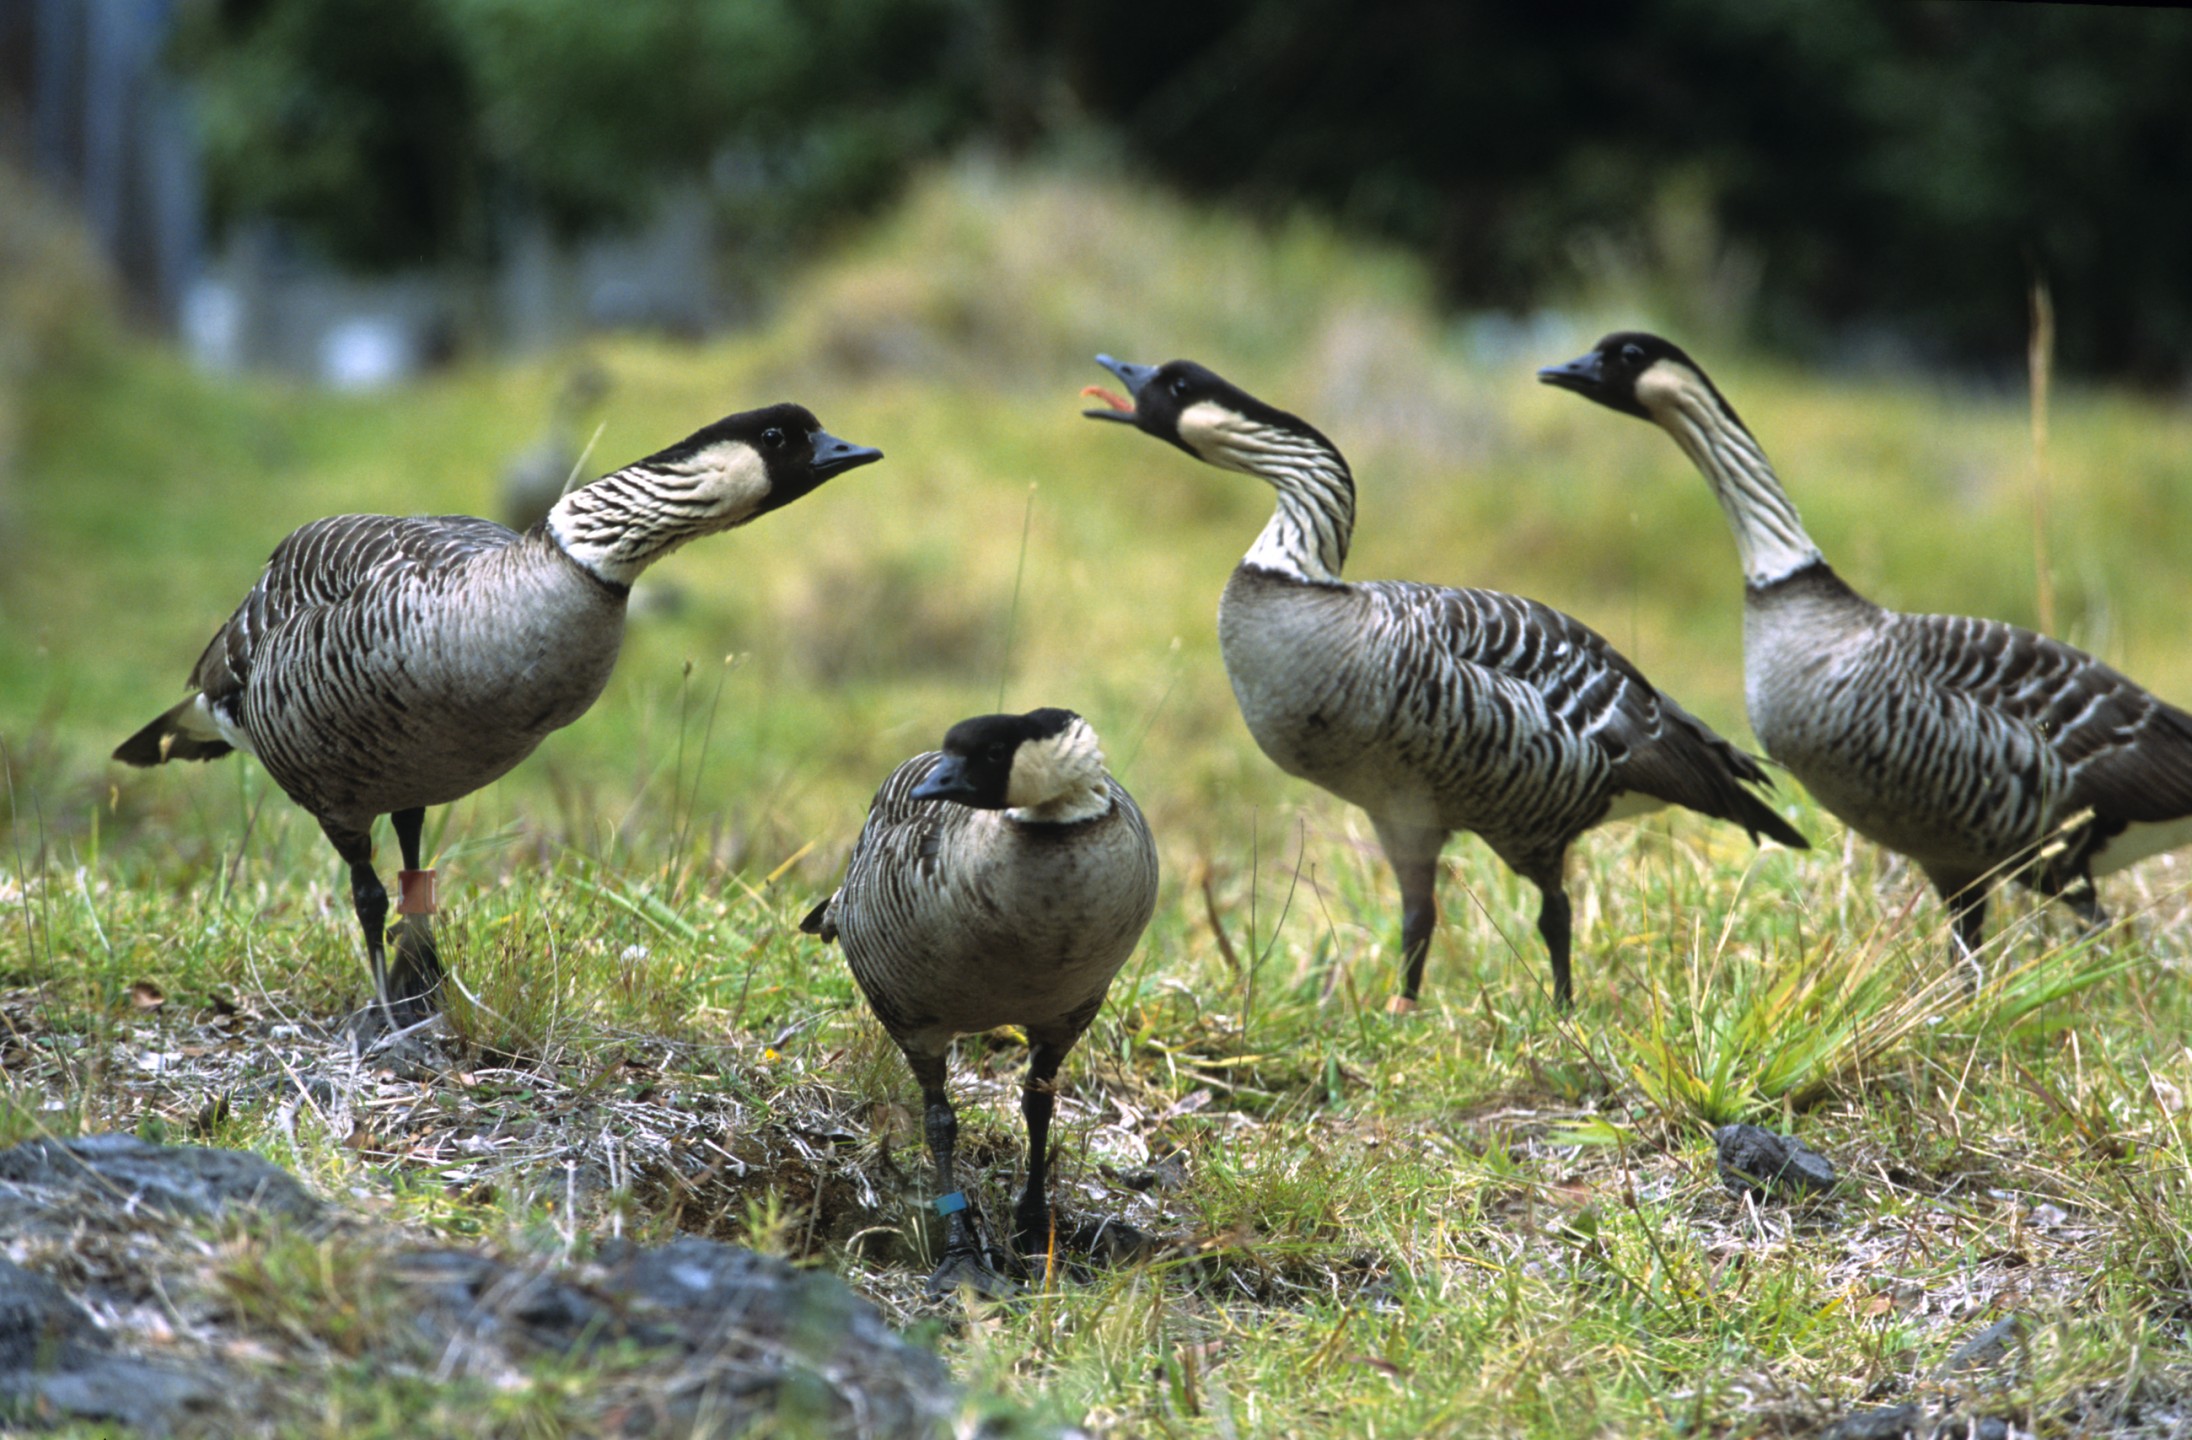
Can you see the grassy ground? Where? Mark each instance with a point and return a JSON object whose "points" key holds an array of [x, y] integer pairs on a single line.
{"points": [[1484, 1219]]}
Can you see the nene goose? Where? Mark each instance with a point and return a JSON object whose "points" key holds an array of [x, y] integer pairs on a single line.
{"points": [[1976, 748], [383, 664], [1435, 710], [1002, 881]]}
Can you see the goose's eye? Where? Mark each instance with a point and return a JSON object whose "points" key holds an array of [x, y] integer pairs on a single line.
{"points": [[1633, 353], [772, 438], [1178, 387]]}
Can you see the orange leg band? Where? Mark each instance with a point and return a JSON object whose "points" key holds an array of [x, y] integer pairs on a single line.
{"points": [[417, 896]]}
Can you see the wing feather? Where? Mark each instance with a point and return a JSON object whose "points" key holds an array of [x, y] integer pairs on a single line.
{"points": [[2124, 752], [324, 564], [1548, 672]]}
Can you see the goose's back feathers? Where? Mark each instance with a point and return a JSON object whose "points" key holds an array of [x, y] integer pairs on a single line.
{"points": [[2121, 749], [331, 561], [957, 920], [1469, 709]]}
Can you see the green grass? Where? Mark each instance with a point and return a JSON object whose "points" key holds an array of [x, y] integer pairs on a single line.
{"points": [[1484, 1219]]}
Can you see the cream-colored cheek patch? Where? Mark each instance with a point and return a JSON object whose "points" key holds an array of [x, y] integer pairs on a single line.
{"points": [[1205, 424], [737, 479], [1664, 384], [1034, 778]]}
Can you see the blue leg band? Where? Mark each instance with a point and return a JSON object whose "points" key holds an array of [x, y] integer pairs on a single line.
{"points": [[951, 1204]]}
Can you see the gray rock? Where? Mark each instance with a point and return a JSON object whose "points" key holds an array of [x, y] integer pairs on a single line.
{"points": [[746, 1337], [1911, 1421], [723, 1339], [463, 1295], [192, 1182], [56, 1366], [1881, 1422], [1760, 1162], [39, 1323], [148, 1398], [785, 1341], [1168, 1172], [1986, 1349]]}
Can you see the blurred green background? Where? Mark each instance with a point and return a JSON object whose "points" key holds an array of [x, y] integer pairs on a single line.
{"points": [[1827, 176]]}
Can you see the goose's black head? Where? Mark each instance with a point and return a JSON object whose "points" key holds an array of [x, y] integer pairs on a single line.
{"points": [[1184, 402], [1003, 762], [1618, 371], [720, 476], [756, 461]]}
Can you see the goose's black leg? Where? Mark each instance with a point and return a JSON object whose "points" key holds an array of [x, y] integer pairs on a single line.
{"points": [[1414, 856], [1967, 907], [963, 1262], [366, 895], [414, 979], [2075, 889], [2085, 903], [1547, 870], [1554, 922], [1031, 1217]]}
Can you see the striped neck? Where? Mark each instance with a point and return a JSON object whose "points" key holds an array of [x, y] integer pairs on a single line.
{"points": [[1769, 535], [1308, 533], [622, 523]]}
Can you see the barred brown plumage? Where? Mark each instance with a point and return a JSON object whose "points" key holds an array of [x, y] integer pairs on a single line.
{"points": [[1433, 709], [383, 664], [1978, 749], [1000, 881]]}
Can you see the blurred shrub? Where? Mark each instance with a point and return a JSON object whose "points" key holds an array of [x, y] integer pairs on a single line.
{"points": [[1855, 166], [395, 132], [56, 305]]}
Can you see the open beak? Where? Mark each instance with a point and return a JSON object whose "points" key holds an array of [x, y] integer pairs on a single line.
{"points": [[1119, 407]]}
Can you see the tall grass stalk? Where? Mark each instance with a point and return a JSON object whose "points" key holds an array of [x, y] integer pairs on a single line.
{"points": [[1012, 611], [2040, 366]]}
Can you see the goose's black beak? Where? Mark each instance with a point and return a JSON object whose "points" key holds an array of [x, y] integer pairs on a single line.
{"points": [[946, 780], [1120, 408], [833, 456], [1585, 375]]}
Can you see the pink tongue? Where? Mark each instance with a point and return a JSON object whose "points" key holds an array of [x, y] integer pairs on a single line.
{"points": [[1116, 402]]}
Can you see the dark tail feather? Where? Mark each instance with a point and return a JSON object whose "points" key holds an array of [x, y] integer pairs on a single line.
{"points": [[165, 739], [1718, 780], [814, 923], [1756, 816]]}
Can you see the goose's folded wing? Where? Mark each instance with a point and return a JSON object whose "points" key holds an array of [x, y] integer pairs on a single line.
{"points": [[326, 563]]}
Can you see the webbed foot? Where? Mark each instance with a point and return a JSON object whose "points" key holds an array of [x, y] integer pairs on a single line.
{"points": [[970, 1270]]}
